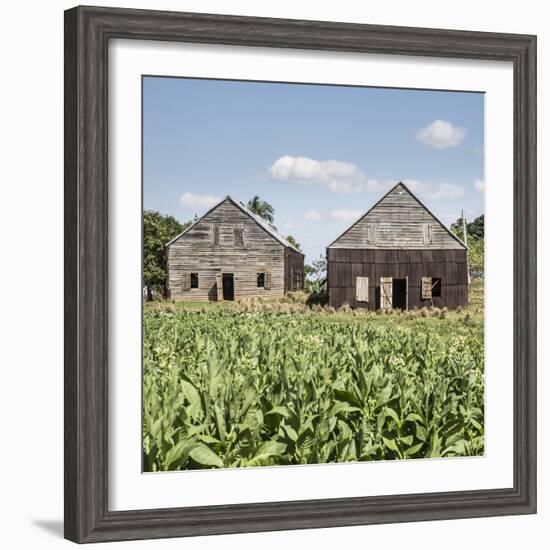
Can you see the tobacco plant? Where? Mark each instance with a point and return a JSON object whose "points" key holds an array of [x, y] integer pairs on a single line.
{"points": [[224, 389]]}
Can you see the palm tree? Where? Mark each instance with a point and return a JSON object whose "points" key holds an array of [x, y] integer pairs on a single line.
{"points": [[293, 241], [261, 208]]}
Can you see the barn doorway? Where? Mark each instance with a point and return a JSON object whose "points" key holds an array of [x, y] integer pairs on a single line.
{"points": [[399, 294], [228, 283], [394, 293]]}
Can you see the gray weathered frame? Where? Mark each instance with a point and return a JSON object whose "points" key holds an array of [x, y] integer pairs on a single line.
{"points": [[87, 34]]}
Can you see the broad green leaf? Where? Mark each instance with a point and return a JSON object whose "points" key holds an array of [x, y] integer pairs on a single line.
{"points": [[411, 451], [192, 395], [413, 417], [205, 456], [178, 453], [283, 411], [392, 414], [290, 432], [390, 443], [348, 397]]}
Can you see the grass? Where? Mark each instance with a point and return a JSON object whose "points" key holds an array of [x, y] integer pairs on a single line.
{"points": [[447, 322]]}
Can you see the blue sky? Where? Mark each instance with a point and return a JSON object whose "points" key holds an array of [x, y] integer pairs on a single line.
{"points": [[321, 155]]}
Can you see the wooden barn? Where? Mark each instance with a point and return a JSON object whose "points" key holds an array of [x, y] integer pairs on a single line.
{"points": [[231, 253], [397, 255]]}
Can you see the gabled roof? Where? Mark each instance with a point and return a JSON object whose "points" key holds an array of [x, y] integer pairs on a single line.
{"points": [[390, 192], [260, 221]]}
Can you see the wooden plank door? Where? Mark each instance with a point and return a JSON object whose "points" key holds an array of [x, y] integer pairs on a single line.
{"points": [[362, 289], [219, 286], [186, 281], [386, 284], [426, 288]]}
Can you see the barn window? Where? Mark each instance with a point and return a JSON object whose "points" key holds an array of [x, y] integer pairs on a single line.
{"points": [[194, 280], [371, 233], [216, 235], [427, 233], [431, 288], [238, 236], [260, 280]]}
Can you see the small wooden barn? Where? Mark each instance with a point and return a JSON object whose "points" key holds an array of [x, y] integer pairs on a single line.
{"points": [[231, 253], [397, 255]]}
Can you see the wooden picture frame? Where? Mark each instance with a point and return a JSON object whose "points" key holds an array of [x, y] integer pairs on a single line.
{"points": [[87, 34]]}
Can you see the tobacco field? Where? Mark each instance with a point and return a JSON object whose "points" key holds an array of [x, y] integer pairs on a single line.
{"points": [[225, 389]]}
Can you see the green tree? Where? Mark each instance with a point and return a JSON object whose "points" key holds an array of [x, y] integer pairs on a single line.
{"points": [[475, 229], [316, 275], [261, 208], [293, 241], [158, 230], [476, 256], [475, 232]]}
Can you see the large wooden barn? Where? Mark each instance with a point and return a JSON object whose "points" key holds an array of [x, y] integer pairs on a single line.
{"points": [[398, 255], [231, 253]]}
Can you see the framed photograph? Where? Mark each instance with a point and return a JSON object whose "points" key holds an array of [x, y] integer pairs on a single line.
{"points": [[300, 262]]}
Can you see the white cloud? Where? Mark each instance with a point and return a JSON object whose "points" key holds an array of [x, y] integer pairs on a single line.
{"points": [[312, 215], [338, 176], [342, 214], [431, 191], [445, 191], [441, 134], [345, 177], [201, 202], [479, 185]]}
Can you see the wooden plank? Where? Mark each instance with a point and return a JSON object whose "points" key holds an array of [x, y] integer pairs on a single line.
{"points": [[219, 287], [355, 256], [186, 281], [238, 236], [426, 288], [335, 296], [386, 288], [362, 289], [356, 270], [397, 221], [367, 255], [349, 295]]}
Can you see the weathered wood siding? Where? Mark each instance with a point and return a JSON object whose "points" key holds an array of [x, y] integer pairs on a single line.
{"points": [[398, 221], [294, 270], [196, 252], [344, 265]]}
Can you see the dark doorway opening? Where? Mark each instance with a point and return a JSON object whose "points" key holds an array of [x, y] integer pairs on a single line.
{"points": [[228, 286], [399, 294], [436, 287]]}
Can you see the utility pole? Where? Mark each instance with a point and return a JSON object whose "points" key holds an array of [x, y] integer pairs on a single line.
{"points": [[465, 239]]}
